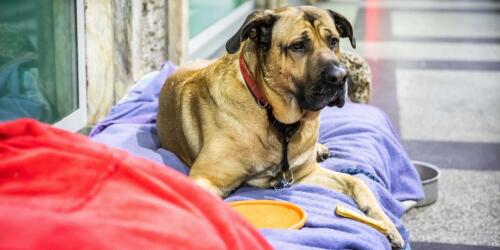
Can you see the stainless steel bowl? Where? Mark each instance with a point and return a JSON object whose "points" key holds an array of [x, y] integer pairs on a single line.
{"points": [[429, 175]]}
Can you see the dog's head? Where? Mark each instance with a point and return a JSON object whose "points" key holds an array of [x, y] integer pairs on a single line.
{"points": [[297, 50]]}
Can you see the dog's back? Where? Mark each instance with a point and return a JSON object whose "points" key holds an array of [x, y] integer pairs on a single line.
{"points": [[176, 97]]}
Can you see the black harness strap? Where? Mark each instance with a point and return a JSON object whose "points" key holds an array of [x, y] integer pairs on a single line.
{"points": [[286, 131]]}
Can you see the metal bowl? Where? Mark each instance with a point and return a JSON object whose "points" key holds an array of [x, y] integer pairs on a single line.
{"points": [[429, 176]]}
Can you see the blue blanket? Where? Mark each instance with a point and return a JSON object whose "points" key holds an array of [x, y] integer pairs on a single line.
{"points": [[360, 137]]}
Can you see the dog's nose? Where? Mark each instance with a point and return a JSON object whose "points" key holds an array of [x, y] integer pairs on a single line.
{"points": [[335, 74]]}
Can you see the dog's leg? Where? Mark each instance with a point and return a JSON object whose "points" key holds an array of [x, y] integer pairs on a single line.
{"points": [[359, 191], [323, 152], [217, 172]]}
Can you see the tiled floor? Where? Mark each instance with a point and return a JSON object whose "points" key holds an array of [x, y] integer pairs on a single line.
{"points": [[464, 108], [436, 72], [466, 212]]}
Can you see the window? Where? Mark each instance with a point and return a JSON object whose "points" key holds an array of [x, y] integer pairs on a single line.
{"points": [[39, 66], [202, 13], [212, 23]]}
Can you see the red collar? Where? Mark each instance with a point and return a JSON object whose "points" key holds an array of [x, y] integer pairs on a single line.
{"points": [[254, 89]]}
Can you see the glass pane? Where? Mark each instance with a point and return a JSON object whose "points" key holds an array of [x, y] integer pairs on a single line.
{"points": [[38, 59], [203, 13]]}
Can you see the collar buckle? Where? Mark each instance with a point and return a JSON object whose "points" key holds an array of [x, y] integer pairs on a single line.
{"points": [[262, 104]]}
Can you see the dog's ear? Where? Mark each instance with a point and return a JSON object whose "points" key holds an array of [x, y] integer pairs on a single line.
{"points": [[343, 26], [258, 27]]}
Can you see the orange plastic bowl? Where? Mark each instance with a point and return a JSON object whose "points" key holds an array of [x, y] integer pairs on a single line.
{"points": [[271, 214]]}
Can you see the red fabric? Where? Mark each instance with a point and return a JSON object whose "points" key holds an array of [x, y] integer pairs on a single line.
{"points": [[59, 190]]}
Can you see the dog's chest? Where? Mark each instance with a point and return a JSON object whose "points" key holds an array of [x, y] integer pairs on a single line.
{"points": [[296, 158], [269, 163]]}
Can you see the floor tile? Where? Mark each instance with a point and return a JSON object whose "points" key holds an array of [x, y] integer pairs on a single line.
{"points": [[445, 65], [455, 155], [426, 4], [463, 214], [448, 24], [384, 93], [428, 51], [448, 105], [441, 246]]}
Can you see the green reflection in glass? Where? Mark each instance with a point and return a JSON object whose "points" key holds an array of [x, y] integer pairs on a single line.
{"points": [[37, 59], [203, 13]]}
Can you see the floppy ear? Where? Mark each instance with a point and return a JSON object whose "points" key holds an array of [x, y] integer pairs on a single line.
{"points": [[258, 27], [343, 26]]}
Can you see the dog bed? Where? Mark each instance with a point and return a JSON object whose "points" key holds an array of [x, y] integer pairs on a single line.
{"points": [[362, 142]]}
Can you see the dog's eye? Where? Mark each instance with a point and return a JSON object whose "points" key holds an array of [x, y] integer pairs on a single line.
{"points": [[333, 42], [298, 46]]}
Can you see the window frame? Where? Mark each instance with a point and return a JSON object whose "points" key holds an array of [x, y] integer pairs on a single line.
{"points": [[210, 41], [77, 119]]}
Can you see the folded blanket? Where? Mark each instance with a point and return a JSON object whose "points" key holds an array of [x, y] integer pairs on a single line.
{"points": [[360, 137], [141, 104], [60, 190]]}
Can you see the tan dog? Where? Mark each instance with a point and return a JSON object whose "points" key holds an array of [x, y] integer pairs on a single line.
{"points": [[228, 120]]}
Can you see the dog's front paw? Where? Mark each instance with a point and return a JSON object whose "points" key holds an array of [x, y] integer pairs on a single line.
{"points": [[394, 236], [323, 152]]}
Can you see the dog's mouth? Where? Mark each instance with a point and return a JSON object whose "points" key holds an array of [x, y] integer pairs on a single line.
{"points": [[320, 96], [337, 102]]}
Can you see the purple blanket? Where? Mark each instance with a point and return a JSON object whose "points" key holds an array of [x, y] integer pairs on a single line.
{"points": [[360, 137]]}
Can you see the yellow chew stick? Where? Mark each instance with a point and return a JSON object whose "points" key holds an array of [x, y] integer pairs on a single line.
{"points": [[379, 225]]}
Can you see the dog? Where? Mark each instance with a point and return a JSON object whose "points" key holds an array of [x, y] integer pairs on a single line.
{"points": [[252, 116]]}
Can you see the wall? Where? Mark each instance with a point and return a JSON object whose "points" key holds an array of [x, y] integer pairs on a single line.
{"points": [[126, 39]]}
